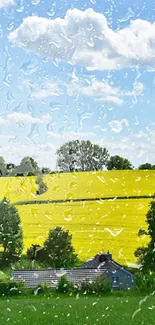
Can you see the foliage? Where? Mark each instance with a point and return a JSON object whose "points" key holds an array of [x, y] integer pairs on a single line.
{"points": [[42, 186], [58, 249], [28, 167], [81, 156], [119, 163], [64, 286], [42, 289], [146, 166], [11, 235], [146, 282], [35, 253], [147, 255], [46, 170], [99, 286], [25, 264], [11, 288], [2, 167]]}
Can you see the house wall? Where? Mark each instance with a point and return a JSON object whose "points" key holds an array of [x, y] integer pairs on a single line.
{"points": [[121, 279]]}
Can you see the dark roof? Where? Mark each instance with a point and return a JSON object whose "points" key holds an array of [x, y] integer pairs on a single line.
{"points": [[104, 262]]}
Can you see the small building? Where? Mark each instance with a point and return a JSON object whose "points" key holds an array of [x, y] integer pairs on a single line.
{"points": [[99, 265]]}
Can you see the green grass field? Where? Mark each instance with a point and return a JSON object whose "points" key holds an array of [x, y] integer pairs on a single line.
{"points": [[82, 311]]}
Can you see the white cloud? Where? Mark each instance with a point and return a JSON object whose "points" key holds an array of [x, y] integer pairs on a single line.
{"points": [[3, 121], [117, 126], [84, 38], [110, 99], [48, 90], [102, 91], [27, 118], [5, 3]]}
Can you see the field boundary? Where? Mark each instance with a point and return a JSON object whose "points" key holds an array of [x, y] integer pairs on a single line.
{"points": [[109, 198]]}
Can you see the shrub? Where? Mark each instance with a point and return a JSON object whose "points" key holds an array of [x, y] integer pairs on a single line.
{"points": [[42, 289], [42, 186], [99, 286], [12, 288], [25, 264], [64, 286], [146, 282]]}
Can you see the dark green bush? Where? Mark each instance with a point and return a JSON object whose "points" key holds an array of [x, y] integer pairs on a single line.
{"points": [[99, 286], [42, 289], [145, 282], [12, 288], [25, 264], [64, 286]]}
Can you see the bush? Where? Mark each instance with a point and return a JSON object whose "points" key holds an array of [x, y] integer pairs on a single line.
{"points": [[146, 282], [99, 286], [12, 288], [42, 289], [42, 186], [64, 286], [25, 264]]}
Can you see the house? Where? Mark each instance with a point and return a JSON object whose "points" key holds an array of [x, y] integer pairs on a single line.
{"points": [[99, 265]]}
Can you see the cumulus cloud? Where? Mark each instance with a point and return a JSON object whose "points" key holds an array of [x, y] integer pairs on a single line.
{"points": [[117, 126], [48, 90], [27, 118], [102, 91], [5, 3], [84, 38], [110, 99]]}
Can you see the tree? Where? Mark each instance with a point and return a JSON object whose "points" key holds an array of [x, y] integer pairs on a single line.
{"points": [[28, 167], [2, 167], [81, 156], [35, 252], [146, 166], [42, 187], [58, 249], [119, 163], [45, 170], [146, 255], [11, 235]]}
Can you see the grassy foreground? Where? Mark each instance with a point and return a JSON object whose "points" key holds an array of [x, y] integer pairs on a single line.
{"points": [[78, 311]]}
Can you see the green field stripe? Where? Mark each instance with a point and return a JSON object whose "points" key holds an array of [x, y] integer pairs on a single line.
{"points": [[86, 199]]}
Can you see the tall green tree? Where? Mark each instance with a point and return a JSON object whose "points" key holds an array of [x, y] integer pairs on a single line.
{"points": [[119, 163], [58, 249], [11, 235], [81, 156], [146, 255]]}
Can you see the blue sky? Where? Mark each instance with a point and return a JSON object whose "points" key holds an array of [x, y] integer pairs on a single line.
{"points": [[77, 69]]}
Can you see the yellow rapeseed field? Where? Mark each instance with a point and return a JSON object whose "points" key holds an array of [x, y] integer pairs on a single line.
{"points": [[18, 188], [99, 184], [95, 225], [111, 225]]}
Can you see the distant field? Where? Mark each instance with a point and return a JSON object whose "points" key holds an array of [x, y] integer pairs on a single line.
{"points": [[83, 311], [18, 188], [111, 225], [99, 184], [95, 225]]}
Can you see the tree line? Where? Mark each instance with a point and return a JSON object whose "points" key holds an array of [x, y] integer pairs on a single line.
{"points": [[72, 156]]}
